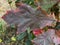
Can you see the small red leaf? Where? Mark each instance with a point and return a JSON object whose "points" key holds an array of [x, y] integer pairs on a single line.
{"points": [[37, 31]]}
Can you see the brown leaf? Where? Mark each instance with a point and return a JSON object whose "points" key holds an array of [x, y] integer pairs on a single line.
{"points": [[26, 17]]}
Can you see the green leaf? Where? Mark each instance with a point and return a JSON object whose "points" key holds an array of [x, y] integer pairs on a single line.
{"points": [[31, 36], [17, 1], [28, 42], [28, 30], [21, 36]]}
